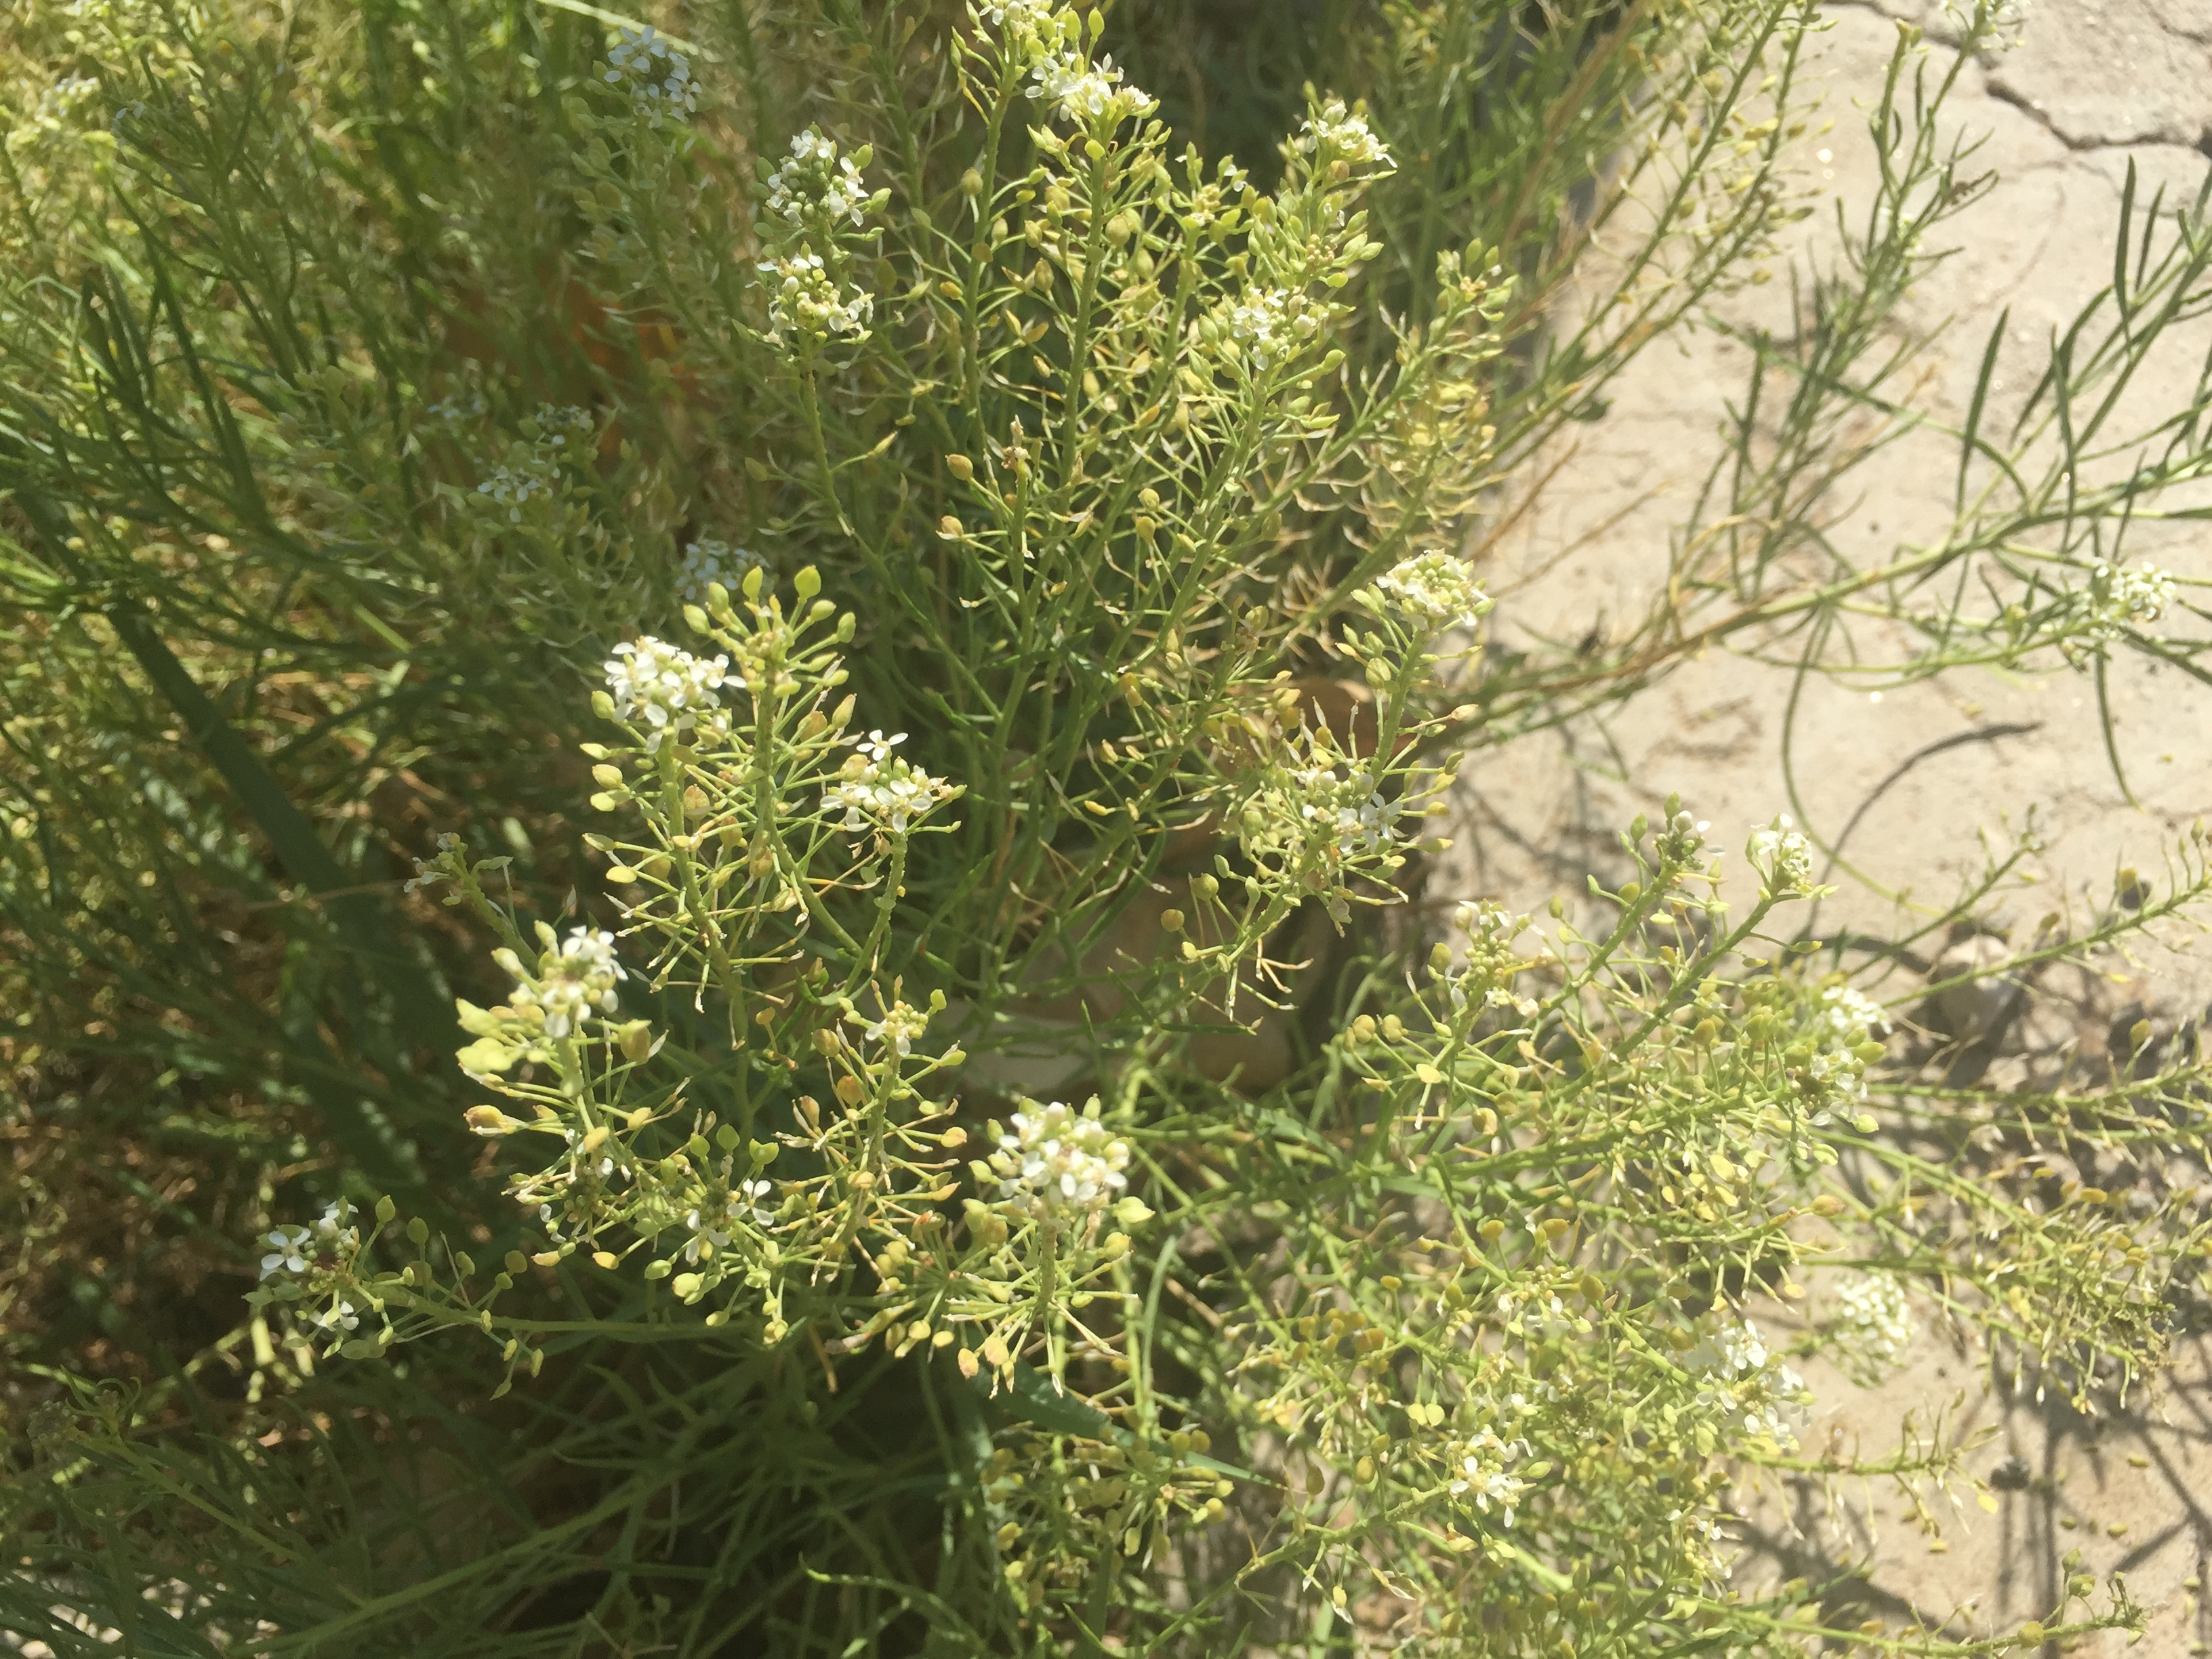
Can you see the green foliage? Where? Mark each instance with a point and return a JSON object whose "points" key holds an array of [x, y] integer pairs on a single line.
{"points": [[374, 372]]}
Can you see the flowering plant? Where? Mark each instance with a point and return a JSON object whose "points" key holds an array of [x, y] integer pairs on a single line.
{"points": [[973, 1145]]}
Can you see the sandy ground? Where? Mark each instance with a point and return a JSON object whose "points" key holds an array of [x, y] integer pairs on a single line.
{"points": [[1926, 777]]}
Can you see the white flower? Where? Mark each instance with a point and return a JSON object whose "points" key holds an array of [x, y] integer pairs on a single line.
{"points": [[1086, 92], [1360, 818], [877, 747], [657, 76], [1682, 836], [456, 410], [708, 560], [757, 1194], [663, 687], [885, 795], [1841, 1020], [1745, 1384], [511, 487], [1364, 828], [2120, 597], [332, 1227], [899, 1027], [1432, 590], [1272, 325], [1058, 1164], [1019, 17], [705, 1239], [340, 1315], [1847, 1016], [1340, 136], [1873, 1317], [805, 300], [816, 186], [1315, 816], [1479, 1470], [579, 978], [1783, 857], [289, 1255], [557, 422], [1731, 1351]]}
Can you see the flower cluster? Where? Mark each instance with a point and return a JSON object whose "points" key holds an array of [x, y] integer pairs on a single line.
{"points": [[1084, 92], [1021, 20], [1270, 326], [657, 76], [1480, 1472], [551, 426], [1682, 836], [1433, 591], [708, 561], [58, 108], [805, 302], [1783, 857], [2121, 597], [1336, 134], [334, 1227], [571, 982], [901, 1024], [1060, 1165], [664, 687], [711, 1221], [1317, 812], [530, 471], [1834, 1077], [456, 410], [1872, 1317], [295, 1250], [1742, 1378], [1847, 1016], [1363, 819], [815, 185], [512, 487], [877, 791]]}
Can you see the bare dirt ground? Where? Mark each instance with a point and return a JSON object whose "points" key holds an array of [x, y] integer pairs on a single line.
{"points": [[1923, 776]]}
